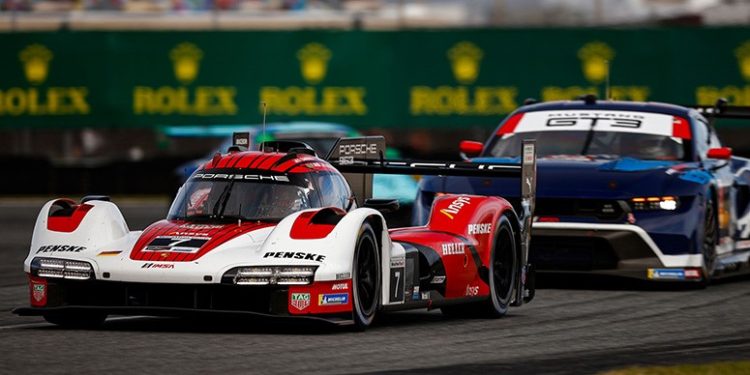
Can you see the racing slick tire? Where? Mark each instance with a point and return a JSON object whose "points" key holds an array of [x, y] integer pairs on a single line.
{"points": [[366, 278], [503, 269], [76, 319], [501, 277]]}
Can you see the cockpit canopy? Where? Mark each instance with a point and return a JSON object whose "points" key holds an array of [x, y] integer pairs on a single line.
{"points": [[222, 194]]}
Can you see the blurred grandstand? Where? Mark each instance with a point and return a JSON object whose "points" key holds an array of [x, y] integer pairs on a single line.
{"points": [[367, 14]]}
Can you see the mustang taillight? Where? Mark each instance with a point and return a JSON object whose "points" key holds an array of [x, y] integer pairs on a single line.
{"points": [[655, 203], [274, 275], [55, 268]]}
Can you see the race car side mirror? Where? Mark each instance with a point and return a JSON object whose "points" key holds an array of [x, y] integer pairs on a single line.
{"points": [[382, 205], [470, 149], [721, 153]]}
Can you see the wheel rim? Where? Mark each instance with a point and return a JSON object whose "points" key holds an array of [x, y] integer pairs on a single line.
{"points": [[502, 264], [709, 237], [366, 277]]}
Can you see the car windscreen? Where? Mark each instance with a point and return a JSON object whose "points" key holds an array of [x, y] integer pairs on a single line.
{"points": [[229, 195], [595, 134]]}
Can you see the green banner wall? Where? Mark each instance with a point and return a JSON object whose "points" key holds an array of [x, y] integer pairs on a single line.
{"points": [[366, 79]]}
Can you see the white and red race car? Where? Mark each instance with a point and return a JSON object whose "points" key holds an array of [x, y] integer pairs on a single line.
{"points": [[280, 232]]}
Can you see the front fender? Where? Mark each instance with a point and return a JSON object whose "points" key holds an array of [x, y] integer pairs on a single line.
{"points": [[332, 249], [79, 235]]}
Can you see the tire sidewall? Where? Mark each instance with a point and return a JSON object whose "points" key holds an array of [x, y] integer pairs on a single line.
{"points": [[498, 307], [361, 320]]}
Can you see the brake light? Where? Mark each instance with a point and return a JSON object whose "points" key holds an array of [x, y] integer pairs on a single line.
{"points": [[680, 128]]}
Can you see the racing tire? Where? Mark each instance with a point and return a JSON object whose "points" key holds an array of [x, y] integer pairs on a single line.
{"points": [[503, 270], [708, 245], [70, 319], [502, 274], [366, 279]]}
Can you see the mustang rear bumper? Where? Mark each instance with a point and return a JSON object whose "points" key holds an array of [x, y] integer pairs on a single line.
{"points": [[607, 249]]}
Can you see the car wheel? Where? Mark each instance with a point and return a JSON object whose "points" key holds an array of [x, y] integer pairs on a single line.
{"points": [[77, 319], [501, 277], [710, 229], [503, 267], [365, 278]]}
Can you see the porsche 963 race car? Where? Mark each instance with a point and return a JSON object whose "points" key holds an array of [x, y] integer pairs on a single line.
{"points": [[281, 232]]}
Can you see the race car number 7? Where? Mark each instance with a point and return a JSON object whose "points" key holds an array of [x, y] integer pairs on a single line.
{"points": [[397, 289]]}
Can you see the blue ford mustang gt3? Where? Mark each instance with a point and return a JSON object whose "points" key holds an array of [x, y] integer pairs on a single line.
{"points": [[643, 190]]}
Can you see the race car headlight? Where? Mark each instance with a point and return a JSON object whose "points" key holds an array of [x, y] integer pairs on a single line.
{"points": [[61, 268], [655, 203], [274, 275]]}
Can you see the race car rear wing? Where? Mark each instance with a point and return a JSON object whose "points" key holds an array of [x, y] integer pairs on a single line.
{"points": [[723, 111]]}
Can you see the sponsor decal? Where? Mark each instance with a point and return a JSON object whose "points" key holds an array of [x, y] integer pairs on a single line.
{"points": [[425, 295], [300, 301], [472, 291], [483, 228], [596, 57], [398, 262], [343, 276], [673, 273], [109, 253], [294, 255], [158, 265], [333, 299], [744, 244], [738, 93], [315, 98], [176, 244], [247, 177], [61, 249], [465, 98], [455, 207], [358, 149], [39, 292], [456, 248], [201, 226], [340, 286], [185, 98], [415, 296], [40, 97], [439, 279]]}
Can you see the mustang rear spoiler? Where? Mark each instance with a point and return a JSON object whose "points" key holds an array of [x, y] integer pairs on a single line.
{"points": [[723, 111], [360, 157]]}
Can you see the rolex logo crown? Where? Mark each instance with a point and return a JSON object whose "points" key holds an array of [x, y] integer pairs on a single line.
{"points": [[186, 59], [35, 59], [313, 59], [595, 58], [743, 59], [465, 58]]}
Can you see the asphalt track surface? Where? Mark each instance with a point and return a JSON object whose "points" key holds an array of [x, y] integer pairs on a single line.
{"points": [[573, 327]]}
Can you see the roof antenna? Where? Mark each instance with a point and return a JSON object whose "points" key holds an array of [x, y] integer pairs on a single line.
{"points": [[606, 83], [263, 143]]}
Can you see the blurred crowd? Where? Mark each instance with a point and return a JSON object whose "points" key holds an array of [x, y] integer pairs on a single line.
{"points": [[429, 13], [178, 5]]}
